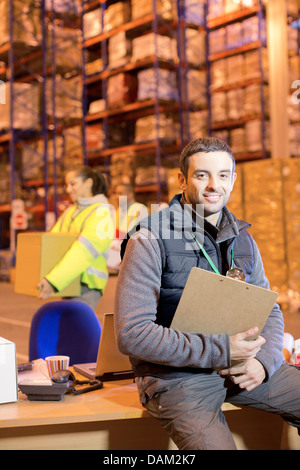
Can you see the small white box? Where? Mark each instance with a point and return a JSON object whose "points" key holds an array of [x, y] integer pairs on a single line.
{"points": [[8, 372]]}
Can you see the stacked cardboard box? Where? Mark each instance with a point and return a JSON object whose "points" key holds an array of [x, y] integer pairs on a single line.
{"points": [[291, 186], [263, 192], [235, 203]]}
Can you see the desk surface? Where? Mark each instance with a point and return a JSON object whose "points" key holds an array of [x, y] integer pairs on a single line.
{"points": [[116, 400]]}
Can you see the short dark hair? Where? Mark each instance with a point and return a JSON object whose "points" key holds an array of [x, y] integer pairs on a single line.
{"points": [[99, 182], [203, 144]]}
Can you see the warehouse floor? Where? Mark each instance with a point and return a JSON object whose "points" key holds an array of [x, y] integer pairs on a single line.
{"points": [[16, 312]]}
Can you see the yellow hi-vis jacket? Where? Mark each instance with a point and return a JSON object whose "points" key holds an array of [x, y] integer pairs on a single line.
{"points": [[87, 255]]}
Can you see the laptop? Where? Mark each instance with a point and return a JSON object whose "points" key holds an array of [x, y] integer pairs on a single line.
{"points": [[111, 363]]}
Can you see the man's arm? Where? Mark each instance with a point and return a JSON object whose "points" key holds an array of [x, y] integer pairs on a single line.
{"points": [[138, 335]]}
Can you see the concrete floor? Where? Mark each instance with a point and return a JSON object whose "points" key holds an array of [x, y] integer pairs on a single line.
{"points": [[16, 312]]}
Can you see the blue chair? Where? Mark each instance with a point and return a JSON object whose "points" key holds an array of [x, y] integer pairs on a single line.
{"points": [[65, 327]]}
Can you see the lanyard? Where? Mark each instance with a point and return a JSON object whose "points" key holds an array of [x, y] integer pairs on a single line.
{"points": [[212, 264]]}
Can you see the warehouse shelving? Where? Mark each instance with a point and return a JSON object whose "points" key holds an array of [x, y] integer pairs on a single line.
{"points": [[158, 22], [239, 49], [34, 65], [293, 26], [36, 62]]}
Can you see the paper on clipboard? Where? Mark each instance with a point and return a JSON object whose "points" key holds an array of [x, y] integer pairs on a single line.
{"points": [[216, 304]]}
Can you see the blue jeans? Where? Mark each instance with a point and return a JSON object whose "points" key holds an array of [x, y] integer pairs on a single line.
{"points": [[191, 414]]}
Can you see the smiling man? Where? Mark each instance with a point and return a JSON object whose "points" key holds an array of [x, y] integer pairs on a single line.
{"points": [[184, 378]]}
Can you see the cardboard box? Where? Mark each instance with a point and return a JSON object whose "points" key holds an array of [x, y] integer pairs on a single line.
{"points": [[8, 372], [37, 254]]}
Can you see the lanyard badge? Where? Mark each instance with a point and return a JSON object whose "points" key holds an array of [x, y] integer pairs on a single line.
{"points": [[234, 272]]}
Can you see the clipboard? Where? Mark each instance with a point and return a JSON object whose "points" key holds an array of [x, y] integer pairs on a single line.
{"points": [[215, 304]]}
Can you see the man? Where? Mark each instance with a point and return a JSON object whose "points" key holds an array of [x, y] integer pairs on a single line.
{"points": [[183, 379]]}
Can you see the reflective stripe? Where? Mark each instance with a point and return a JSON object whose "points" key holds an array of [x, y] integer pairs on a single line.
{"points": [[97, 273], [89, 246]]}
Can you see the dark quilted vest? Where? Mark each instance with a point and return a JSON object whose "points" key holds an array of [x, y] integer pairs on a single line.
{"points": [[177, 262]]}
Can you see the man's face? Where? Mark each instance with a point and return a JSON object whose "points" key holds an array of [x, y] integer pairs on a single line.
{"points": [[209, 182]]}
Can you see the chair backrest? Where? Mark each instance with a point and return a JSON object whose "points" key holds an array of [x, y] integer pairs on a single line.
{"points": [[65, 327]]}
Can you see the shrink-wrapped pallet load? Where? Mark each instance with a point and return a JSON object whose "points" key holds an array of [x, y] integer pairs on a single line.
{"points": [[256, 98], [94, 137], [217, 40], [26, 105], [121, 89], [154, 45], [92, 23], [71, 7], [166, 9], [150, 175], [257, 135], [150, 128], [198, 124], [27, 27], [194, 12], [233, 36], [238, 140], [195, 47], [68, 49], [256, 65], [197, 87], [263, 193], [218, 74], [158, 83], [116, 15], [219, 107], [230, 6], [119, 50], [234, 69], [253, 30], [235, 104], [215, 8], [67, 96], [122, 168]]}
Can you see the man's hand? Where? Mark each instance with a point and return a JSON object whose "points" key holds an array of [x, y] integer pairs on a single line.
{"points": [[242, 350], [247, 375], [45, 289]]}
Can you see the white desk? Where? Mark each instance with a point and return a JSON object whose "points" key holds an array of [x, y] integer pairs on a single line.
{"points": [[113, 419]]}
